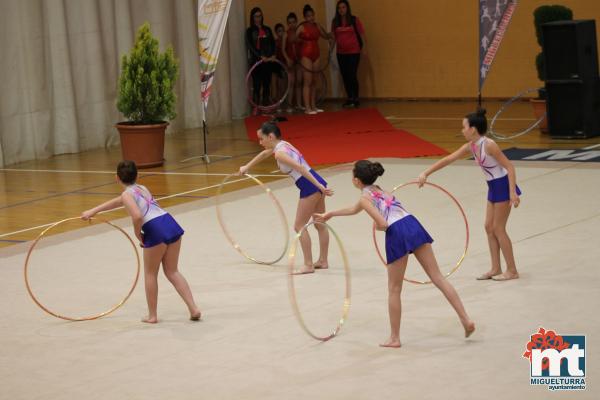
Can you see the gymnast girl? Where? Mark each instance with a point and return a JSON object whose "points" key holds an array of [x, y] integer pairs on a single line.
{"points": [[503, 192], [403, 235], [309, 33], [312, 186], [291, 50], [159, 235]]}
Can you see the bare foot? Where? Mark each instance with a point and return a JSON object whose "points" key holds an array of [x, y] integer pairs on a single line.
{"points": [[507, 276], [321, 265], [196, 316], [391, 342], [469, 329], [150, 320], [488, 275], [304, 270]]}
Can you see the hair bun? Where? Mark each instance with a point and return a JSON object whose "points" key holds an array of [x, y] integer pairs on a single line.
{"points": [[377, 168], [481, 112]]}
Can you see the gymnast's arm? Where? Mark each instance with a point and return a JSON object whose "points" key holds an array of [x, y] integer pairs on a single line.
{"points": [[259, 157], [361, 31], [378, 221], [363, 50], [288, 61], [324, 34], [363, 204], [462, 152], [342, 212], [251, 46], [284, 158], [109, 205], [134, 212]]}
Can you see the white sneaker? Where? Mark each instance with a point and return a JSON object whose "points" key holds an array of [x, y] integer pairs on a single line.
{"points": [[310, 112], [319, 110]]}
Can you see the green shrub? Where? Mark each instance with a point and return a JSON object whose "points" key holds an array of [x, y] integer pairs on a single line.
{"points": [[147, 81]]}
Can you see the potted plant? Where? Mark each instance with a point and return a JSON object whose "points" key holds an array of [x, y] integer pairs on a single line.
{"points": [[146, 98], [542, 15]]}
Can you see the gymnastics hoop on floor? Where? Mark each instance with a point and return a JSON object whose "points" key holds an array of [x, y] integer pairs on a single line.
{"points": [[499, 136], [292, 289], [229, 236], [91, 317], [462, 212], [269, 107], [329, 52]]}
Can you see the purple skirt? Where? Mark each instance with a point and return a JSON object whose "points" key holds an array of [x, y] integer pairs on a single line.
{"points": [[306, 187], [163, 229], [403, 237], [499, 190]]}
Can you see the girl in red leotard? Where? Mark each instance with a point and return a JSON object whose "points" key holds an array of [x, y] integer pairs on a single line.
{"points": [[310, 32], [290, 53]]}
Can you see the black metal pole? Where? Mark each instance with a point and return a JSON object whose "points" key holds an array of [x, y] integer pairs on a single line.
{"points": [[204, 132]]}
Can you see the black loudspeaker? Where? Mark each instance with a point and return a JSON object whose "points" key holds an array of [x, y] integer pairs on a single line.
{"points": [[570, 50], [573, 108]]}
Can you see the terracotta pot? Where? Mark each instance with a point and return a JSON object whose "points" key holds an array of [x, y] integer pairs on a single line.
{"points": [[143, 144], [539, 109]]}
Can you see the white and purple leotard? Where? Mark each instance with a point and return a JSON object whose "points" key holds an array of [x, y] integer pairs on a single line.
{"points": [[306, 187], [405, 233], [495, 174], [158, 225]]}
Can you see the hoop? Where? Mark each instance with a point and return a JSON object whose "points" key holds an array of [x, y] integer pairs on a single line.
{"points": [[249, 94], [329, 53], [230, 237], [462, 211], [503, 108], [292, 290], [91, 317]]}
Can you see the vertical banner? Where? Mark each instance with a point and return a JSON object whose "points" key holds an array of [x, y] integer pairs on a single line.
{"points": [[494, 17], [212, 19]]}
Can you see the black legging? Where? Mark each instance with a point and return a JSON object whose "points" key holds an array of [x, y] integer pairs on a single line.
{"points": [[261, 79], [349, 69]]}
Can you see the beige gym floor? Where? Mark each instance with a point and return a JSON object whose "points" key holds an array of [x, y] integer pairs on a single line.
{"points": [[249, 344]]}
